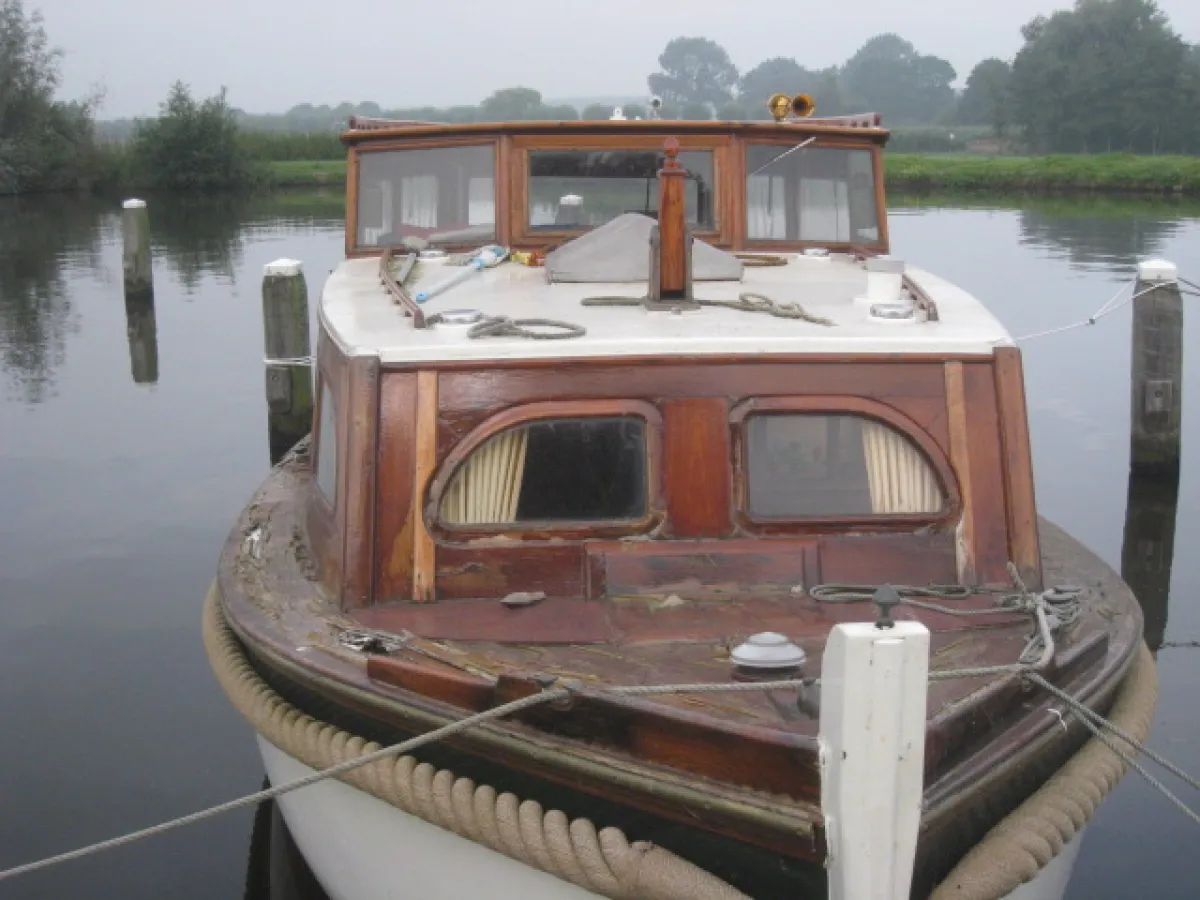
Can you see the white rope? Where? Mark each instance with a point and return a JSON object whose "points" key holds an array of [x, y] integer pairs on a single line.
{"points": [[1106, 310], [289, 361]]}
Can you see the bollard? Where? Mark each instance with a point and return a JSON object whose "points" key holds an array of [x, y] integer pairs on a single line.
{"points": [[1156, 397], [135, 234], [289, 376], [872, 745]]}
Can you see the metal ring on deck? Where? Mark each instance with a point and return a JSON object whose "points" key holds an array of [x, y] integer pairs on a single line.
{"points": [[503, 326]]}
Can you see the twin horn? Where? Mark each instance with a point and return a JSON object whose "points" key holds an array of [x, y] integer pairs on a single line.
{"points": [[799, 107]]}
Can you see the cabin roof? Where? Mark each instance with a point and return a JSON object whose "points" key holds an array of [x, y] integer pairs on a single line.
{"points": [[363, 319]]}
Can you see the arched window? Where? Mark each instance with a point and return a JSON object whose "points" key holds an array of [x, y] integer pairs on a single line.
{"points": [[563, 470], [802, 465]]}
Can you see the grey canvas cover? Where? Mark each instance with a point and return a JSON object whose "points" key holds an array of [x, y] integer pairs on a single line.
{"points": [[619, 251]]}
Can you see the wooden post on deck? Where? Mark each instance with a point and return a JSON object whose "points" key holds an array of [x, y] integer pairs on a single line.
{"points": [[670, 242], [289, 364], [872, 752], [135, 234], [1156, 405]]}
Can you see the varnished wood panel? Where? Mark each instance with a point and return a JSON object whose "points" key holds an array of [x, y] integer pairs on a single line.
{"points": [[352, 194], [425, 461], [1018, 462], [729, 568], [990, 503], [697, 480], [397, 467], [469, 397], [362, 420], [492, 572], [888, 558], [960, 459], [672, 227]]}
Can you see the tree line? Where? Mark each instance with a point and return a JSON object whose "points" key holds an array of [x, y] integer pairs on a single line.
{"points": [[1104, 76]]}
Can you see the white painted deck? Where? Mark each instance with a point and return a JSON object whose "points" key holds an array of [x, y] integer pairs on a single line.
{"points": [[364, 320]]}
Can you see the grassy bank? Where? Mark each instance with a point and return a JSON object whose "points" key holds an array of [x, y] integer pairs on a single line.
{"points": [[1109, 173], [1105, 173]]}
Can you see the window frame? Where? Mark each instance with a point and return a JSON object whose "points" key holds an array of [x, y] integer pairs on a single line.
{"points": [[353, 179], [880, 245], [549, 530], [859, 407], [719, 145]]}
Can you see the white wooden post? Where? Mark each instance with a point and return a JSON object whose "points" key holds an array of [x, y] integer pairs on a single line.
{"points": [[872, 739]]}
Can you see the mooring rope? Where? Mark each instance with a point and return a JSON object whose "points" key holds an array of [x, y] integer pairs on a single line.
{"points": [[1107, 309], [503, 326]]}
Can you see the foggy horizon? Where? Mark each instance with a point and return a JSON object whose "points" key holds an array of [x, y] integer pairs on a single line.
{"points": [[273, 55]]}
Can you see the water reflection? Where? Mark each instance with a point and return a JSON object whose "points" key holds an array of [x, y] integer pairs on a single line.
{"points": [[40, 239], [1148, 548]]}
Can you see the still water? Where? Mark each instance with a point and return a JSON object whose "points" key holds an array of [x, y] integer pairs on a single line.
{"points": [[131, 438]]}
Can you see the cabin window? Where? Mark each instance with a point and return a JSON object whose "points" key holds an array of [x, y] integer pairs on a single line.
{"points": [[577, 189], [445, 195], [327, 449], [813, 194], [803, 465], [556, 470]]}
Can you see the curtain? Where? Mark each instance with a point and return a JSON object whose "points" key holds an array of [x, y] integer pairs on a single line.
{"points": [[765, 215], [487, 488], [824, 210], [900, 479], [481, 201], [419, 201]]}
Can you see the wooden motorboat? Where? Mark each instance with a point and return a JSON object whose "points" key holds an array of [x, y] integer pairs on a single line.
{"points": [[686, 405]]}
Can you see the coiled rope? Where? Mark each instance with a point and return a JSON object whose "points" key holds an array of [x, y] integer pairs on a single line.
{"points": [[747, 301]]}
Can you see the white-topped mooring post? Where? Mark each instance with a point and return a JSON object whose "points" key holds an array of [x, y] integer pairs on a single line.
{"points": [[287, 347], [1156, 389], [135, 235], [872, 745]]}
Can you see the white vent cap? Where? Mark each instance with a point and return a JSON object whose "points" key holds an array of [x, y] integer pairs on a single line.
{"points": [[889, 265], [768, 650]]}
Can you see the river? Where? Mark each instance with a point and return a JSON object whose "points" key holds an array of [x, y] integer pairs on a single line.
{"points": [[129, 443]]}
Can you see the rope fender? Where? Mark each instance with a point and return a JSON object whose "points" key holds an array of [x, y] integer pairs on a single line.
{"points": [[602, 861], [1022, 843]]}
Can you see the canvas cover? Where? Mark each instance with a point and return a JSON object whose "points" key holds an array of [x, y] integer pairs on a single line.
{"points": [[619, 251]]}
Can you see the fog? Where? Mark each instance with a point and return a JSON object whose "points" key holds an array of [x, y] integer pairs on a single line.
{"points": [[273, 54]]}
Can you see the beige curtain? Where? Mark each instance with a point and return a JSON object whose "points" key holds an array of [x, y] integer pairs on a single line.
{"points": [[901, 481], [486, 489], [419, 201], [765, 216]]}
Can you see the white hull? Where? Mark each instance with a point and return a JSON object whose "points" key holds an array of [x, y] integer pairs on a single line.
{"points": [[361, 848]]}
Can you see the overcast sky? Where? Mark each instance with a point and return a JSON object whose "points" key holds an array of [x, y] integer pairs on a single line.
{"points": [[273, 54]]}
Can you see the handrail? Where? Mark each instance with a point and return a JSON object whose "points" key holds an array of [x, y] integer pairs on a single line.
{"points": [[396, 289]]}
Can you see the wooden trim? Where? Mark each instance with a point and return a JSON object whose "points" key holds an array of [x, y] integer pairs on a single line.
{"points": [[687, 142], [884, 241], [839, 405], [538, 411], [397, 291], [360, 454], [351, 241], [1018, 463], [735, 188], [793, 130], [960, 459], [425, 461], [397, 469], [504, 191]]}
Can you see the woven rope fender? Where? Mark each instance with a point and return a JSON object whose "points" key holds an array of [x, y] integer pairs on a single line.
{"points": [[603, 861], [1035, 832]]}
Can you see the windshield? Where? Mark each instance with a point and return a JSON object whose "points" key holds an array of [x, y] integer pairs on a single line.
{"points": [[813, 194], [444, 195], [577, 189]]}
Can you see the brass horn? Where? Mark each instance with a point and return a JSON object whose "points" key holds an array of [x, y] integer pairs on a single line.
{"points": [[780, 106], [803, 106]]}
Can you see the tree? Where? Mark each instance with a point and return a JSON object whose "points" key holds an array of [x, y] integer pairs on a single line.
{"points": [[775, 76], [1107, 75], [695, 111], [511, 104], [595, 112], [191, 145], [694, 69], [985, 99], [894, 79], [44, 144]]}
